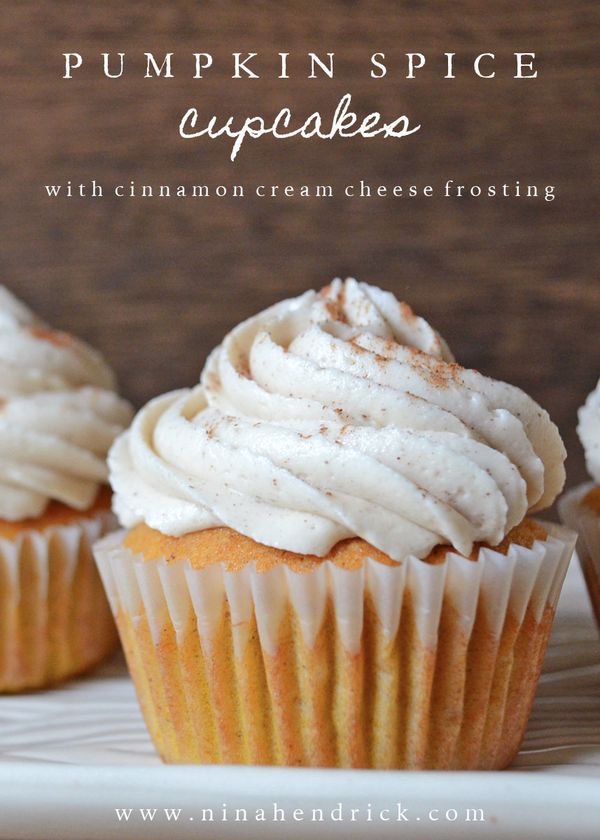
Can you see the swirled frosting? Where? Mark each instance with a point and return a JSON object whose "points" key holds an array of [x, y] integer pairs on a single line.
{"points": [[589, 432], [58, 415], [333, 415]]}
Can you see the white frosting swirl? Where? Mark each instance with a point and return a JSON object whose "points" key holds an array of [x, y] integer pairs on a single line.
{"points": [[58, 415], [589, 432], [333, 415]]}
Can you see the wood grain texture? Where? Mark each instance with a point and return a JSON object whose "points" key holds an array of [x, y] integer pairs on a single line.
{"points": [[513, 285]]}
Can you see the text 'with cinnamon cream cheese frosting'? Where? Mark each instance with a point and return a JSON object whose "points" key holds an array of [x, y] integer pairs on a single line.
{"points": [[59, 415], [334, 415]]}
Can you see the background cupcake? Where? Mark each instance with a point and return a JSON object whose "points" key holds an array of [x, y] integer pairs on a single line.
{"points": [[580, 508], [328, 559], [58, 417]]}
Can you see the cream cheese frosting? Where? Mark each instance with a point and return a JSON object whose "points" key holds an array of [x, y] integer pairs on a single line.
{"points": [[333, 415], [59, 415], [589, 432]]}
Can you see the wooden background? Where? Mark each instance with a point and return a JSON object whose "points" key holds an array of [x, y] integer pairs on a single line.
{"points": [[513, 285]]}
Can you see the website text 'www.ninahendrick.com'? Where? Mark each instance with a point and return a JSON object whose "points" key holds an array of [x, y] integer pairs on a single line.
{"points": [[272, 812]]}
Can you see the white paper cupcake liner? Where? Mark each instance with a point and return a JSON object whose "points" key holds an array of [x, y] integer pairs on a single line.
{"points": [[508, 599], [54, 619], [587, 524]]}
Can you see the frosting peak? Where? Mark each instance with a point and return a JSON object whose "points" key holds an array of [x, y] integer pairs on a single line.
{"points": [[58, 415], [339, 414], [589, 432]]}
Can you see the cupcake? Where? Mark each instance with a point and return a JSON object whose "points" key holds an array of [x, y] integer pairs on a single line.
{"points": [[327, 557], [58, 417], [580, 507]]}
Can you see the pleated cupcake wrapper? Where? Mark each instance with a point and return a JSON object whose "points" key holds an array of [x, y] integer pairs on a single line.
{"points": [[587, 524], [458, 598], [171, 591], [54, 617]]}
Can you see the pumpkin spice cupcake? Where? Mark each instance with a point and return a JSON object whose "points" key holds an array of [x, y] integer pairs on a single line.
{"points": [[328, 558], [58, 417], [580, 507]]}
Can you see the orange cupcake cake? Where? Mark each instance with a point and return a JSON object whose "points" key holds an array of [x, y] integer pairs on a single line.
{"points": [[58, 417], [329, 559], [580, 507]]}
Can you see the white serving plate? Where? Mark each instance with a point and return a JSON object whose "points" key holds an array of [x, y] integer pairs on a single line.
{"points": [[70, 757]]}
